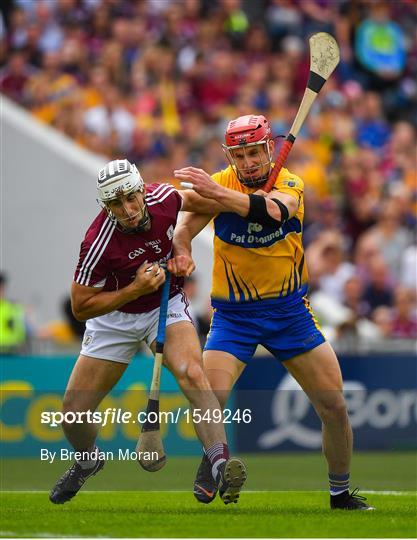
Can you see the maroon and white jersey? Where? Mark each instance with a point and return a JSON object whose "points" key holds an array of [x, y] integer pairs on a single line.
{"points": [[109, 257]]}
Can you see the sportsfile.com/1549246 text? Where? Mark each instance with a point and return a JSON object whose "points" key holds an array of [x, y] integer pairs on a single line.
{"points": [[118, 416]]}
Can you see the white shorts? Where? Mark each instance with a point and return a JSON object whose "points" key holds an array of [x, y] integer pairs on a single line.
{"points": [[117, 336]]}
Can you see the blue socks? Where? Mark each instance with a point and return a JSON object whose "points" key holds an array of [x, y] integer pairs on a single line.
{"points": [[338, 483]]}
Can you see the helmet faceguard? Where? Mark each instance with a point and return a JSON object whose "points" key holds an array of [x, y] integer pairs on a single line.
{"points": [[117, 180], [248, 150]]}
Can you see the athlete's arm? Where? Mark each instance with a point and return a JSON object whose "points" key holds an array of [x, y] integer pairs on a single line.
{"points": [[89, 302], [234, 201], [193, 202], [191, 224]]}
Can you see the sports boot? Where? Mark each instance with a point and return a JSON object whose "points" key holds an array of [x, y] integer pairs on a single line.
{"points": [[230, 479], [205, 488], [349, 501], [72, 481]]}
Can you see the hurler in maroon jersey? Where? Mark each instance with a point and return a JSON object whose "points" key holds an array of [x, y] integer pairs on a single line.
{"points": [[110, 255], [116, 290]]}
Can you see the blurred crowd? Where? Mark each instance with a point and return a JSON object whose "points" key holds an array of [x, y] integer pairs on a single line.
{"points": [[156, 81]]}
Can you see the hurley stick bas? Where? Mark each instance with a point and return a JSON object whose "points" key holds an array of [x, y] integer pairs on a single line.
{"points": [[324, 57], [149, 448]]}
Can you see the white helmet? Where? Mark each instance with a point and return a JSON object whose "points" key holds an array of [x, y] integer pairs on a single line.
{"points": [[118, 177]]}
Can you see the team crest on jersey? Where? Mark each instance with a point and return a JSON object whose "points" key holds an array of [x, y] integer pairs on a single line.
{"points": [[170, 232], [136, 253], [87, 340], [254, 227], [290, 183]]}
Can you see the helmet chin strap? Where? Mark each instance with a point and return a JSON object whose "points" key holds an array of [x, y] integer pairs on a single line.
{"points": [[252, 182], [142, 226]]}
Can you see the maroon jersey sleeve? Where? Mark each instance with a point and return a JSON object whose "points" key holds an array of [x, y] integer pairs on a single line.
{"points": [[166, 195], [92, 268]]}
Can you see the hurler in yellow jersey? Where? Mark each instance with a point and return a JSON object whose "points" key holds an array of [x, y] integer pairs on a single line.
{"points": [[256, 262], [259, 288]]}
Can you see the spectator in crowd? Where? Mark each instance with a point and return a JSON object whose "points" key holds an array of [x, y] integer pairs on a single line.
{"points": [[66, 332], [404, 314], [14, 76], [110, 124], [380, 44], [372, 128], [408, 268], [283, 18], [323, 215], [13, 324], [379, 290], [353, 297], [389, 236], [383, 319], [49, 90], [327, 260]]}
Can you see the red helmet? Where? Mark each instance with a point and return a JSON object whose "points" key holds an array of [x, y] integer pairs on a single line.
{"points": [[247, 129], [250, 135]]}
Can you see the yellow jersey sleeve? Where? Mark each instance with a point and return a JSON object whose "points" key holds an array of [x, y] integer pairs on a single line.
{"points": [[289, 183], [228, 179], [286, 182]]}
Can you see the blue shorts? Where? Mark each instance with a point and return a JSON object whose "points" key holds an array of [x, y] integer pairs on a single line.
{"points": [[284, 330]]}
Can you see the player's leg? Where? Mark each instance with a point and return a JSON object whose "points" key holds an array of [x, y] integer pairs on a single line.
{"points": [[110, 342], [318, 373], [228, 340], [182, 356], [295, 338], [90, 381], [222, 370]]}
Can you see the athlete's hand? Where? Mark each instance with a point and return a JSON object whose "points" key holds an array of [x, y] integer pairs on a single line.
{"points": [[261, 193], [181, 265], [199, 181], [149, 277]]}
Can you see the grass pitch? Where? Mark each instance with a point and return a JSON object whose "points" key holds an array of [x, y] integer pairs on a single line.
{"points": [[176, 514], [140, 512]]}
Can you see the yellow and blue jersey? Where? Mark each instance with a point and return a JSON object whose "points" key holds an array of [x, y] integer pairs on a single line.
{"points": [[255, 262]]}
